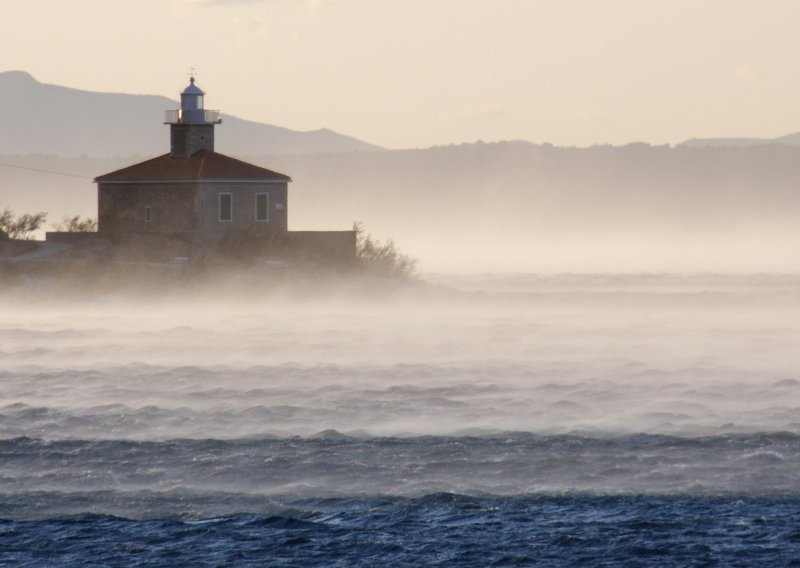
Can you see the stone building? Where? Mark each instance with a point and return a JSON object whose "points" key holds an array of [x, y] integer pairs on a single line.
{"points": [[195, 194]]}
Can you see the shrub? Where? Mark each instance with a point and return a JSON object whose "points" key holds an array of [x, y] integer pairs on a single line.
{"points": [[382, 257], [22, 227], [76, 225]]}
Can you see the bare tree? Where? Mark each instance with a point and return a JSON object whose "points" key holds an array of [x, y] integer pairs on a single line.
{"points": [[22, 227], [6, 219]]}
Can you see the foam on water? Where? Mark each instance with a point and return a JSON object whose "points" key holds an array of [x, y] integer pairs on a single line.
{"points": [[551, 356], [432, 409]]}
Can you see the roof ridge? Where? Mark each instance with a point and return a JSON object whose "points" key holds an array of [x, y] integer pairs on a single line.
{"points": [[202, 165]]}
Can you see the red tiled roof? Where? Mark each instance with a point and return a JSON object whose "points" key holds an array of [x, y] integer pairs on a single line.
{"points": [[203, 165]]}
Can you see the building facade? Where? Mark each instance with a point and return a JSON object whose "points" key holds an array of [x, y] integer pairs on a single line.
{"points": [[198, 195], [191, 192]]}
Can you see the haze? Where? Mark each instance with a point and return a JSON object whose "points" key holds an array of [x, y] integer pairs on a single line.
{"points": [[609, 355], [598, 359], [407, 75], [411, 73]]}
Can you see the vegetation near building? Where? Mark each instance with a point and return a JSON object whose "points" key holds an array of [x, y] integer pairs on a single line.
{"points": [[22, 227], [382, 257], [196, 206], [76, 224]]}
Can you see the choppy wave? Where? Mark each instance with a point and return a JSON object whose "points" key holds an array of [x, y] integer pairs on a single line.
{"points": [[603, 397], [580, 419], [225, 477], [442, 529]]}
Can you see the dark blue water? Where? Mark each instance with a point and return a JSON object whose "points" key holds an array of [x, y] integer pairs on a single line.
{"points": [[441, 529], [335, 500], [595, 421]]}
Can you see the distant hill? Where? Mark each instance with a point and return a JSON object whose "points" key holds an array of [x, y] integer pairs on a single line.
{"points": [[49, 119], [515, 205], [789, 139]]}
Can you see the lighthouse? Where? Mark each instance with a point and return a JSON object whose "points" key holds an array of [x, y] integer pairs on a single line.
{"points": [[194, 194], [191, 126]]}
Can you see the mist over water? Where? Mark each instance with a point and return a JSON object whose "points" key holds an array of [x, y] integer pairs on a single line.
{"points": [[606, 355], [517, 418], [463, 386]]}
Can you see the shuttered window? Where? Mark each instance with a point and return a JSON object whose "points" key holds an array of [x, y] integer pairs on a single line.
{"points": [[262, 207], [225, 207]]}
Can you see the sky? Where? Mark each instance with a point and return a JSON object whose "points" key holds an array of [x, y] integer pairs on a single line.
{"points": [[418, 73]]}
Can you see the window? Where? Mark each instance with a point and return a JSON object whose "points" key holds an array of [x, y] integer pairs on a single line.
{"points": [[225, 207], [148, 213], [262, 207]]}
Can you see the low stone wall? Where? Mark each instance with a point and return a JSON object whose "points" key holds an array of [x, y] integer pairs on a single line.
{"points": [[11, 247], [336, 249], [72, 238], [328, 247]]}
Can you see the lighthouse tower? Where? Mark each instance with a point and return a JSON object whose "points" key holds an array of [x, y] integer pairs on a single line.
{"points": [[191, 126]]}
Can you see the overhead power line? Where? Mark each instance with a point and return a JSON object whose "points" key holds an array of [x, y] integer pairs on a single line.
{"points": [[41, 171]]}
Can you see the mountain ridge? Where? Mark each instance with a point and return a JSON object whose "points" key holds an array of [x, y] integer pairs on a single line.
{"points": [[53, 119], [792, 139], [513, 205]]}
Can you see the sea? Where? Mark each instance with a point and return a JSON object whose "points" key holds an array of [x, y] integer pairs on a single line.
{"points": [[464, 420]]}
